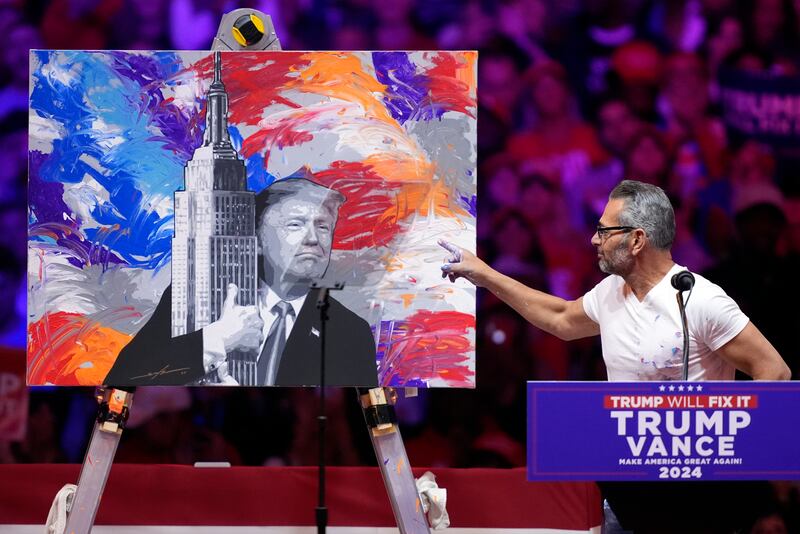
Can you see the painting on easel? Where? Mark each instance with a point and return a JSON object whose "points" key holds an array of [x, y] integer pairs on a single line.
{"points": [[182, 203]]}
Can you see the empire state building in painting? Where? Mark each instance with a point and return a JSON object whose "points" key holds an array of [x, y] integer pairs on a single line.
{"points": [[215, 240]]}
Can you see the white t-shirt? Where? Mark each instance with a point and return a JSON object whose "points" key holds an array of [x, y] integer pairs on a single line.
{"points": [[644, 340]]}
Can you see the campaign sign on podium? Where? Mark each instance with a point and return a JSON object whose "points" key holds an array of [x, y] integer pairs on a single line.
{"points": [[663, 431]]}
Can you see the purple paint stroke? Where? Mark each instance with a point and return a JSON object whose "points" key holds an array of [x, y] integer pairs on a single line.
{"points": [[45, 197], [470, 203], [47, 215], [406, 89], [179, 133], [80, 252]]}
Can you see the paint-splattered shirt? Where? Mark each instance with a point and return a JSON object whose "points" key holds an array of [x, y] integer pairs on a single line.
{"points": [[643, 340]]}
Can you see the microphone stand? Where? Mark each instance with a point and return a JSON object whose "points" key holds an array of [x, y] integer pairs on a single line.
{"points": [[685, 325], [323, 303], [683, 281]]}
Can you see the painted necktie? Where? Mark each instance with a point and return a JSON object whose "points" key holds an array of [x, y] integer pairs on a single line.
{"points": [[270, 357]]}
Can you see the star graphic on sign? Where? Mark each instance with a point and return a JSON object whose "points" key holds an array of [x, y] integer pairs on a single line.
{"points": [[672, 388], [699, 388], [690, 388], [661, 387]]}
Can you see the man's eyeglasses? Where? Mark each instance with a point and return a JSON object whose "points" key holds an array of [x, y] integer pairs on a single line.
{"points": [[604, 231]]}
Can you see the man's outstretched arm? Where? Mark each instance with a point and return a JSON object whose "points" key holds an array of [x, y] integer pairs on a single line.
{"points": [[751, 353], [564, 319]]}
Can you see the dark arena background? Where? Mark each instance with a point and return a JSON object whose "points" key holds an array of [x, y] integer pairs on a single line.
{"points": [[701, 97]]}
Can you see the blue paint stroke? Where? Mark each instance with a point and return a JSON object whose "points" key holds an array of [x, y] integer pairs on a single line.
{"points": [[258, 177], [113, 113], [47, 205]]}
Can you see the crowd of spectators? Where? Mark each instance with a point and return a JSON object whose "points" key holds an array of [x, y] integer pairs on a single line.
{"points": [[574, 95]]}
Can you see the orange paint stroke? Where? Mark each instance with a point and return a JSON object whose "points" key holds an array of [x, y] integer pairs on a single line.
{"points": [[401, 167], [342, 76], [424, 199], [467, 72], [68, 349], [392, 263]]}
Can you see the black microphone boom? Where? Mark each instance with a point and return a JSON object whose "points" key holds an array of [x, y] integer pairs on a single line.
{"points": [[683, 281]]}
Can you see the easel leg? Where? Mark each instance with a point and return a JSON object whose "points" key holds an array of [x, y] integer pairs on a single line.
{"points": [[111, 417], [378, 406]]}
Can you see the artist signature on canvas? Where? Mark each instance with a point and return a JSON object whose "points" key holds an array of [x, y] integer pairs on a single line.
{"points": [[161, 372]]}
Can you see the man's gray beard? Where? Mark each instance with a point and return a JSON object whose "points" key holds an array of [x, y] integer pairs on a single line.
{"points": [[619, 262]]}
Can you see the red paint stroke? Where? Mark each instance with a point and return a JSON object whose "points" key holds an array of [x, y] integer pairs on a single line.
{"points": [[68, 349], [253, 83], [429, 345], [283, 133], [445, 90], [265, 140], [365, 218]]}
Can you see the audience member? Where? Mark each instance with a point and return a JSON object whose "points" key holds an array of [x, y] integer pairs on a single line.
{"points": [[697, 138], [635, 75], [559, 146], [755, 272], [648, 158]]}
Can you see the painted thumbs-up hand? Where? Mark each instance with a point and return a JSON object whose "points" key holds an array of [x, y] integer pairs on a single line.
{"points": [[239, 327]]}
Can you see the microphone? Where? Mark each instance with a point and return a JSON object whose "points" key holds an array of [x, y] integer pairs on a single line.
{"points": [[683, 281]]}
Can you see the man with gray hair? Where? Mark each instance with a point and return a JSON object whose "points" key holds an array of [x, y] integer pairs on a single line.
{"points": [[633, 309], [635, 313]]}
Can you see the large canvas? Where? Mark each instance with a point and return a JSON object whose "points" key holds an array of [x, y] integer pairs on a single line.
{"points": [[166, 188]]}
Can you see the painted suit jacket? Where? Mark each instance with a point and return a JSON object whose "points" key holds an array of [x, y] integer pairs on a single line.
{"points": [[156, 358]]}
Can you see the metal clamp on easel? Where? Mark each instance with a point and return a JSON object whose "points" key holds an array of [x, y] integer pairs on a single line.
{"points": [[246, 29], [378, 405], [114, 408]]}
